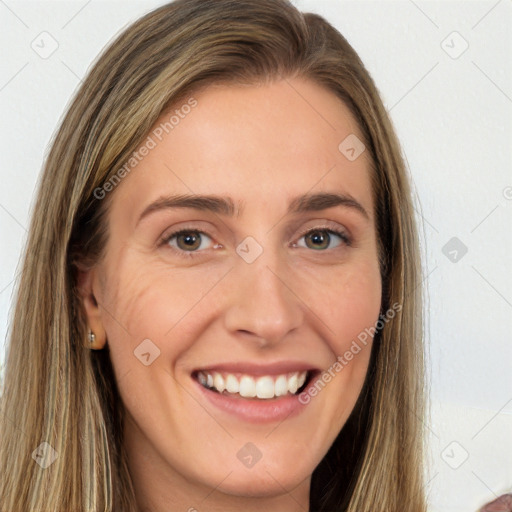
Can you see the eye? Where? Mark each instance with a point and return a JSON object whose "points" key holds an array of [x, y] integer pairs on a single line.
{"points": [[187, 240], [320, 239]]}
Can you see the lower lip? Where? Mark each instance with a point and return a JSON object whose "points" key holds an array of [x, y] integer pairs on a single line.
{"points": [[256, 410]]}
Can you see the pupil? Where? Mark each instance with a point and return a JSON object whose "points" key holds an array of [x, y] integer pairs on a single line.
{"points": [[319, 238], [189, 240]]}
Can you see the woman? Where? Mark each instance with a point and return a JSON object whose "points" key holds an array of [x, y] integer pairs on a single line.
{"points": [[219, 305]]}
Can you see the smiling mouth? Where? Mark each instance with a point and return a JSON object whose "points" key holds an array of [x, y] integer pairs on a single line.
{"points": [[265, 387]]}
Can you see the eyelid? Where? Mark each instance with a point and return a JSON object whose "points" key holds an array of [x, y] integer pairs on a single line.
{"points": [[335, 228], [202, 227], [166, 238]]}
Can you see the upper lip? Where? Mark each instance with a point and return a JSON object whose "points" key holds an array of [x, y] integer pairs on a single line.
{"points": [[251, 368]]}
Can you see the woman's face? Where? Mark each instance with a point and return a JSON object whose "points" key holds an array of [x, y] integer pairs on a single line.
{"points": [[274, 272]]}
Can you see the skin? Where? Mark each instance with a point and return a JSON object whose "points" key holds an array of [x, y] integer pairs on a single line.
{"points": [[261, 146]]}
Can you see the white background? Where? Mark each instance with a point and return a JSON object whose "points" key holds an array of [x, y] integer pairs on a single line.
{"points": [[453, 117]]}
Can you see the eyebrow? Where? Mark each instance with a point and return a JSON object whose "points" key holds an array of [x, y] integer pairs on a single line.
{"points": [[226, 206]]}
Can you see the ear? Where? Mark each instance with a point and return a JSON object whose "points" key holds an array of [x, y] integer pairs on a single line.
{"points": [[87, 282]]}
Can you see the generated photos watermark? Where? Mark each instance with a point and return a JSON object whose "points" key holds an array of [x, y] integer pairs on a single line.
{"points": [[150, 143], [343, 361]]}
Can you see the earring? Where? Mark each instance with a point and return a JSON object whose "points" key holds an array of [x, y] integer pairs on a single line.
{"points": [[91, 336]]}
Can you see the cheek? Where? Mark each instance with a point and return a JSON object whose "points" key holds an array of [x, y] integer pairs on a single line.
{"points": [[150, 300], [359, 303], [355, 309], [349, 308], [348, 303]]}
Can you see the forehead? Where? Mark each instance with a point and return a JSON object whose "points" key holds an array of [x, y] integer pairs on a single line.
{"points": [[255, 143]]}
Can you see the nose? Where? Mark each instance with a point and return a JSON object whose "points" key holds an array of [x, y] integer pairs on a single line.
{"points": [[262, 306]]}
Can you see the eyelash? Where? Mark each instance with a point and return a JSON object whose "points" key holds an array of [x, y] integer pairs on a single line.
{"points": [[345, 239]]}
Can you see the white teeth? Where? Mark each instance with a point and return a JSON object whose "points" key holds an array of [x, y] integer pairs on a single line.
{"points": [[292, 383], [232, 384], [301, 379], [202, 378], [247, 387], [281, 385], [265, 387], [218, 382]]}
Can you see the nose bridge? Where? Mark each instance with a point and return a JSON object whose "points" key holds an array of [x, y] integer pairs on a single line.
{"points": [[261, 302]]}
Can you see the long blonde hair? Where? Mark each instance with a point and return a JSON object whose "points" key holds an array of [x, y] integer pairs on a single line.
{"points": [[58, 391]]}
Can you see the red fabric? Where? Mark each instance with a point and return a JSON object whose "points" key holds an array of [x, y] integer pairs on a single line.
{"points": [[502, 504]]}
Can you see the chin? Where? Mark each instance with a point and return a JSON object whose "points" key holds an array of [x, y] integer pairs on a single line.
{"points": [[260, 484], [263, 479]]}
